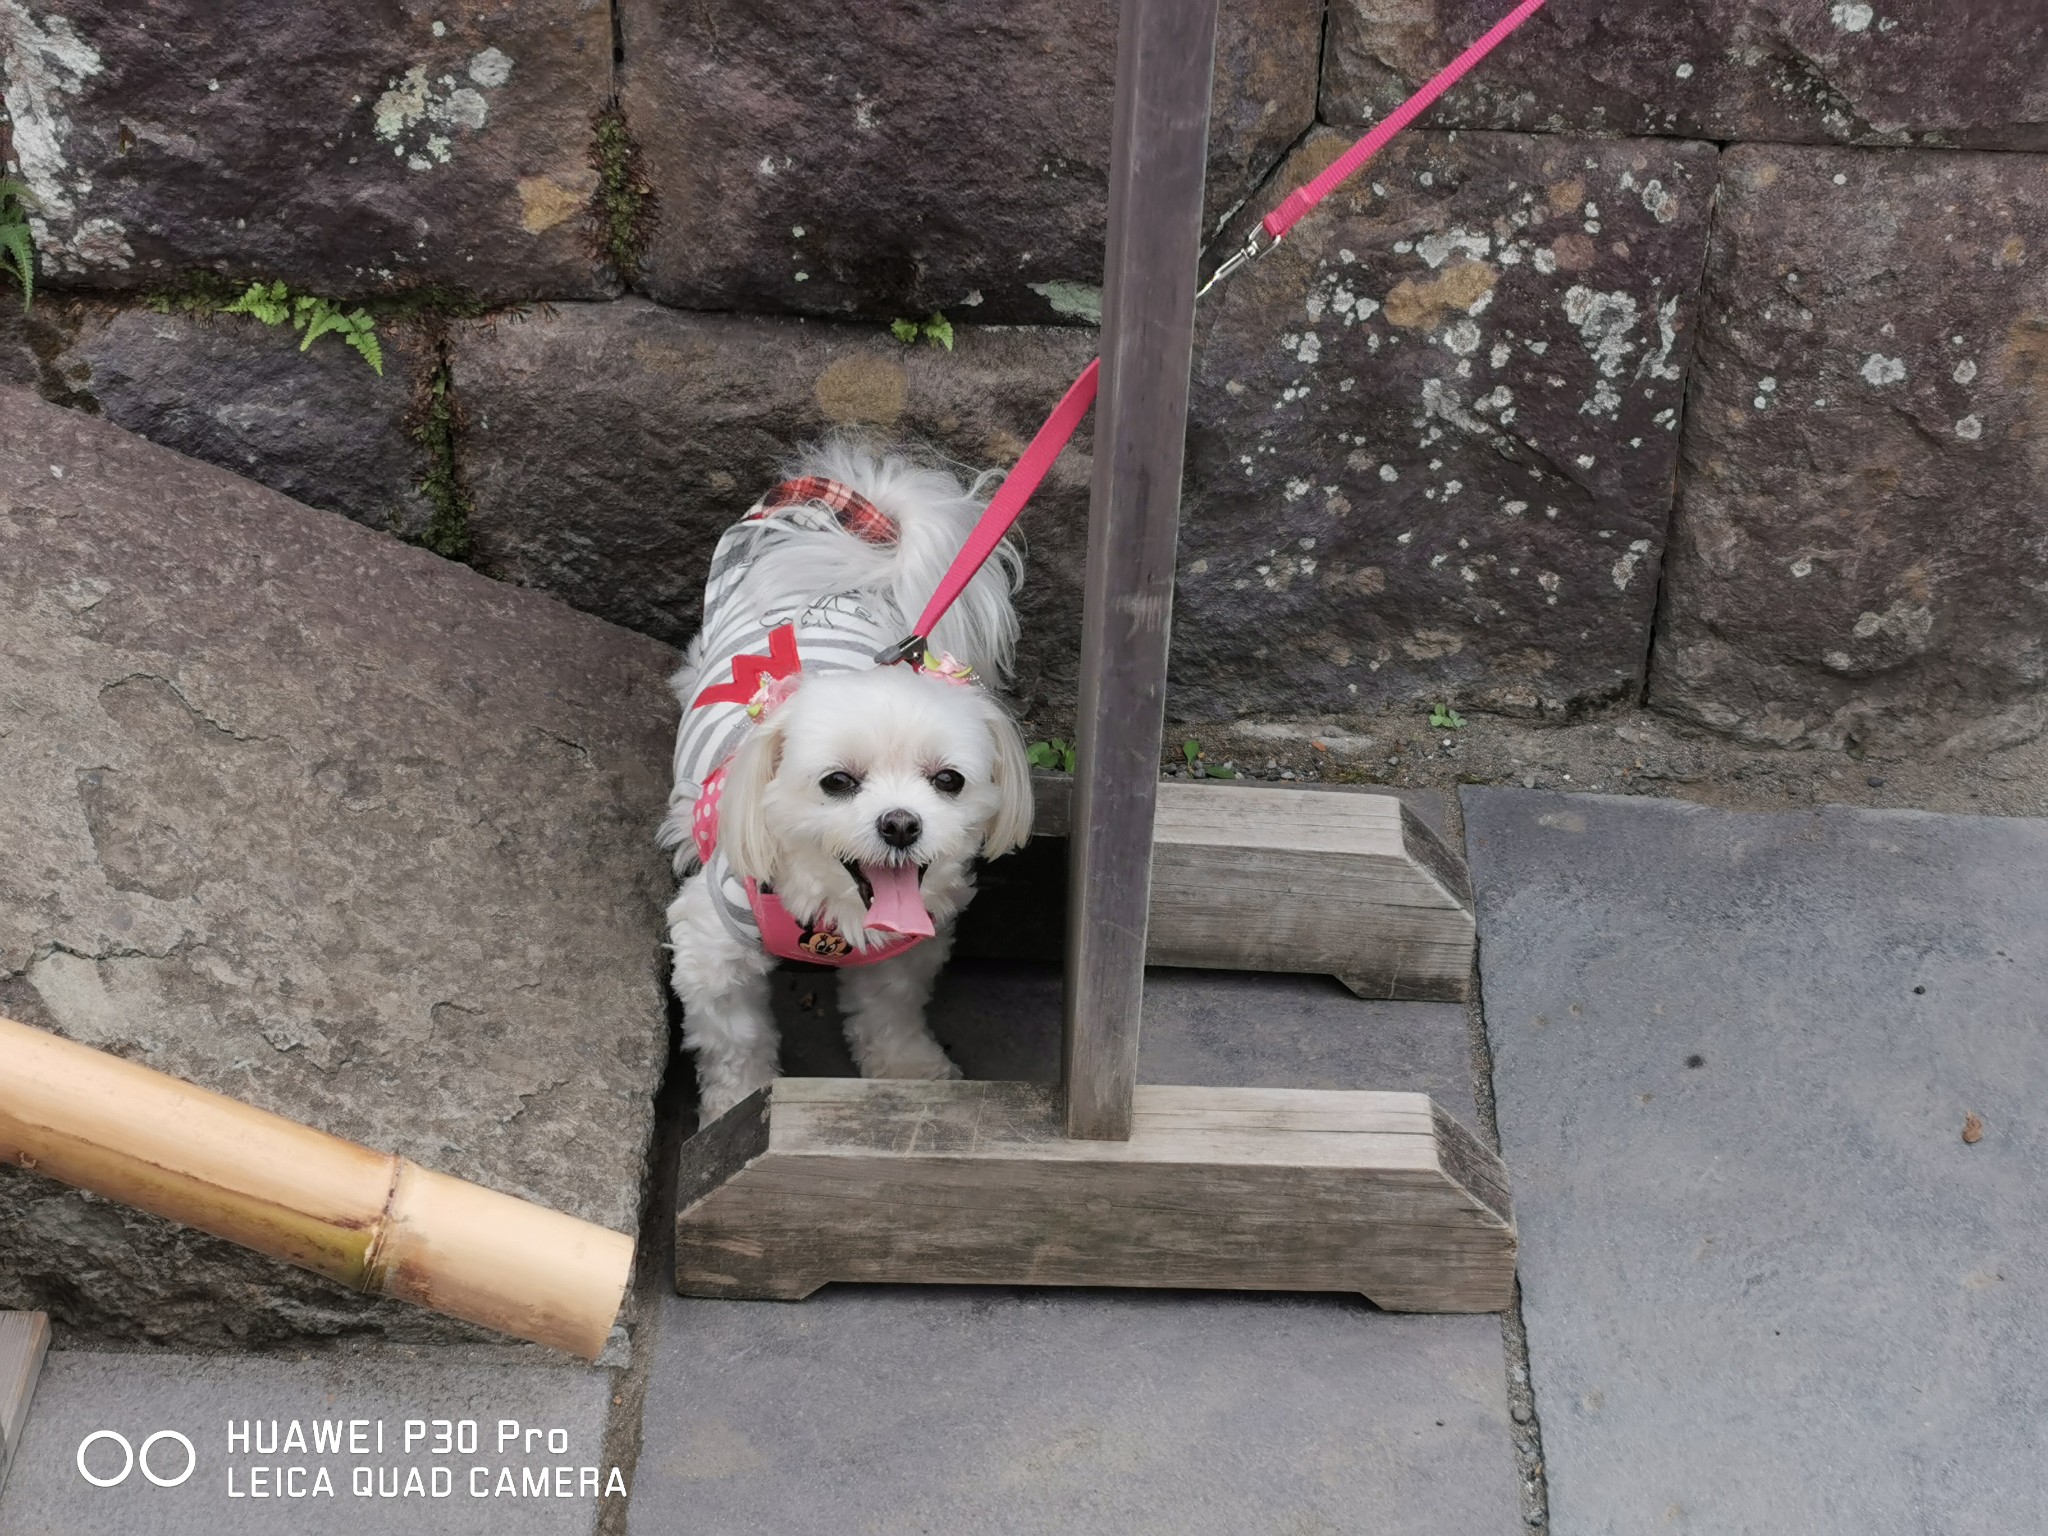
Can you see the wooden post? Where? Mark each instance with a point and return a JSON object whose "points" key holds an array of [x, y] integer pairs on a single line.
{"points": [[24, 1338], [1165, 55]]}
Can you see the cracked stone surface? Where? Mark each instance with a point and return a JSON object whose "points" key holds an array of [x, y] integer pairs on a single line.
{"points": [[1433, 435], [1812, 71], [1860, 551], [324, 823], [947, 158], [342, 154], [612, 498]]}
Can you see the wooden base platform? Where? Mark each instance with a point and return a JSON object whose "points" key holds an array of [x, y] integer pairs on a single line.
{"points": [[1337, 882], [820, 1179], [24, 1339]]}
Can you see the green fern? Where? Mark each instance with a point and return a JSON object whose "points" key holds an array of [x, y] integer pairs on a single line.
{"points": [[312, 317], [362, 335], [268, 302], [17, 244], [938, 329]]}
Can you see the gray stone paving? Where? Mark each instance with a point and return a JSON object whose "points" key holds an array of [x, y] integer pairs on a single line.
{"points": [[1004, 1411], [1072, 1413], [1768, 1287], [234, 1488], [1208, 1028]]}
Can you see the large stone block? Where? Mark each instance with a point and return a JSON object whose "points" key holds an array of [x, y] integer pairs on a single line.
{"points": [[897, 158], [1433, 433], [344, 148], [1861, 549], [318, 425], [31, 341], [323, 822], [611, 497], [1816, 71]]}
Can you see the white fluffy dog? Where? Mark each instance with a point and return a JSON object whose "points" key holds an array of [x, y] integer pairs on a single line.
{"points": [[836, 814]]}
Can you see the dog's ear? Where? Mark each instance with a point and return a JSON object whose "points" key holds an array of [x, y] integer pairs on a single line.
{"points": [[744, 836], [1011, 825]]}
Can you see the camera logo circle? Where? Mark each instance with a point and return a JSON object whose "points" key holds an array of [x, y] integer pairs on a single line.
{"points": [[131, 1458]]}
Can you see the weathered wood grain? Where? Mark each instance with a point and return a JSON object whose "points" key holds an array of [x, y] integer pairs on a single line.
{"points": [[821, 1179], [24, 1340], [1158, 156], [1339, 882]]}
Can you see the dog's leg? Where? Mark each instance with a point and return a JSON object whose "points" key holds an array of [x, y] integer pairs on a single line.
{"points": [[723, 984], [883, 1005]]}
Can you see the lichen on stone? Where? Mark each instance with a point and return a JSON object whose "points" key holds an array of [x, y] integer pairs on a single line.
{"points": [[442, 105]]}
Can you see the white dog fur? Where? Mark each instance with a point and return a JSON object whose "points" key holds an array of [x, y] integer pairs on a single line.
{"points": [[895, 730]]}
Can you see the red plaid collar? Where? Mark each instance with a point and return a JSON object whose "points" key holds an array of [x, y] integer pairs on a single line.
{"points": [[856, 514]]}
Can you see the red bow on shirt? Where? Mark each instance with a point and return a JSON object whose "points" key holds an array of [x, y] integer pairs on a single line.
{"points": [[750, 672]]}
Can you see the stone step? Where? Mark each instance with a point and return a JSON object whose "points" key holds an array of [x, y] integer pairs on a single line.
{"points": [[325, 823]]}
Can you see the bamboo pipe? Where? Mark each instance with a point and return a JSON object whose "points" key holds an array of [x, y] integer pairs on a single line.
{"points": [[371, 1220]]}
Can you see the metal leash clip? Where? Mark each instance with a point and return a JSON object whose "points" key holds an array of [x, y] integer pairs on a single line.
{"points": [[1251, 252], [911, 648]]}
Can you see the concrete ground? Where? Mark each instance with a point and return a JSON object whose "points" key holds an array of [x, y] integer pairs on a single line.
{"points": [[1765, 1083]]}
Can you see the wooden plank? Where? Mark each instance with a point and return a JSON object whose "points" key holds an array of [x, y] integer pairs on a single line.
{"points": [[975, 1183], [1158, 153], [24, 1340], [1267, 878]]}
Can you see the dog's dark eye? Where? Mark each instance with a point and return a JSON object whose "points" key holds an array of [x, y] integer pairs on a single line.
{"points": [[839, 783], [948, 781]]}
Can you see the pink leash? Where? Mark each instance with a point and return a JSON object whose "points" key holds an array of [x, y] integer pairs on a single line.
{"points": [[1018, 486]]}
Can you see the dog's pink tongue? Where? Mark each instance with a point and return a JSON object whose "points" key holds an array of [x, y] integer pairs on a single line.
{"points": [[898, 905]]}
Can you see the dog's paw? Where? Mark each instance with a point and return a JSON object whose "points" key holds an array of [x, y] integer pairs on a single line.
{"points": [[711, 1105], [920, 1060], [848, 915], [723, 1091]]}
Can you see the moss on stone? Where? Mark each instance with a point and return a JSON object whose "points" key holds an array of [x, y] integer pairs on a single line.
{"points": [[437, 429], [622, 208]]}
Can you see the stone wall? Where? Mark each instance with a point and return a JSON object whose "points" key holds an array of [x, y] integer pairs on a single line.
{"points": [[1759, 284]]}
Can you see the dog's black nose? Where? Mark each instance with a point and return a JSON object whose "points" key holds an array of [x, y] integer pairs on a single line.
{"points": [[899, 829]]}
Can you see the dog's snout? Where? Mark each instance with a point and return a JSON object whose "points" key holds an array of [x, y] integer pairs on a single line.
{"points": [[899, 829]]}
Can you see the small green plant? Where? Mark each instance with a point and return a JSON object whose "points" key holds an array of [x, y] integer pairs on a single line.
{"points": [[1055, 754], [17, 244], [937, 329], [312, 318], [1191, 749], [1445, 718]]}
